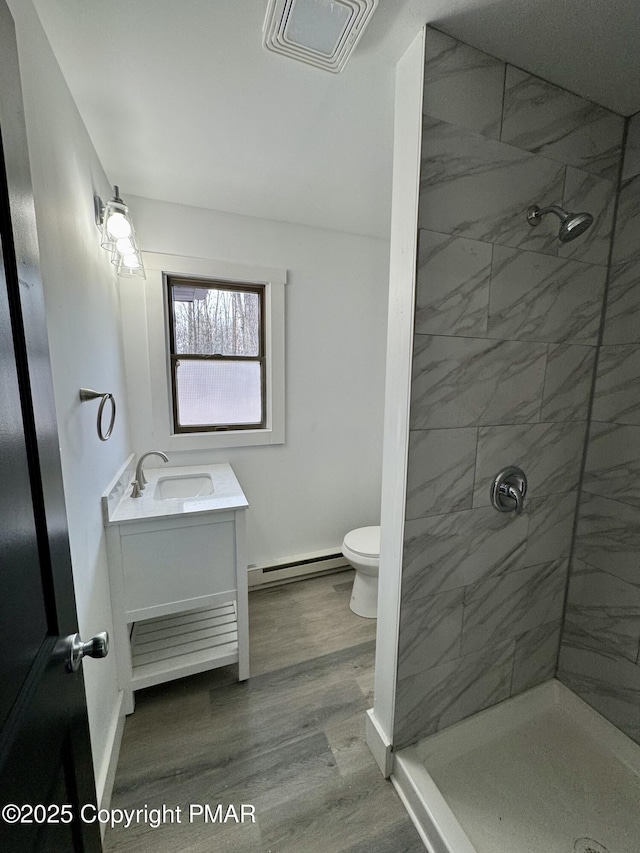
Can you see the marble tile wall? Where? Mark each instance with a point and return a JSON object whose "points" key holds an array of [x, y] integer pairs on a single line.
{"points": [[506, 330], [600, 647]]}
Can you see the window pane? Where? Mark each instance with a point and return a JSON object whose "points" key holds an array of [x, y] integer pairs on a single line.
{"points": [[218, 393], [214, 321]]}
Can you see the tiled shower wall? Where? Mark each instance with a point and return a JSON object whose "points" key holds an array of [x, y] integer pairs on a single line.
{"points": [[601, 636], [507, 322]]}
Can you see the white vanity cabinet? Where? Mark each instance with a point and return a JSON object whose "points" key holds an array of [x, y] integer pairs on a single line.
{"points": [[178, 576]]}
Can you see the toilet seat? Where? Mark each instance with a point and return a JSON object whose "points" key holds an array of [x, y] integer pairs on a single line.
{"points": [[364, 541]]}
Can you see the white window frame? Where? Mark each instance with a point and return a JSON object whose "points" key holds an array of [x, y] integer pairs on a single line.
{"points": [[158, 267]]}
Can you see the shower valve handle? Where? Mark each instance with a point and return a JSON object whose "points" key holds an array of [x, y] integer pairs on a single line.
{"points": [[508, 489]]}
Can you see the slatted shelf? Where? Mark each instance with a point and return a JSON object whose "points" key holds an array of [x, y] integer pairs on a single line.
{"points": [[174, 646]]}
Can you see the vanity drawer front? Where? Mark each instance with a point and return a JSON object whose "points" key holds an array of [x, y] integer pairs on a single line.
{"points": [[177, 564]]}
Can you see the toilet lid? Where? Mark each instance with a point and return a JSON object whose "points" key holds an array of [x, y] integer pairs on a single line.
{"points": [[364, 541]]}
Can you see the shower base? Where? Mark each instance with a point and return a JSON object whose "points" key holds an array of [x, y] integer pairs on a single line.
{"points": [[540, 772]]}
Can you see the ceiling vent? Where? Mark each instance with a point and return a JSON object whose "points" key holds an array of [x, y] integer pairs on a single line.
{"points": [[319, 32]]}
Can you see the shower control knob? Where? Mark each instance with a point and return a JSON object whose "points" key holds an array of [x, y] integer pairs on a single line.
{"points": [[508, 490]]}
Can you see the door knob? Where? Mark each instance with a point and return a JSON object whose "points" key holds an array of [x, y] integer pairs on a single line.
{"points": [[97, 647], [508, 490]]}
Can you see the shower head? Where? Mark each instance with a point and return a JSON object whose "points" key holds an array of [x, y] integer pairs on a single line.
{"points": [[572, 225]]}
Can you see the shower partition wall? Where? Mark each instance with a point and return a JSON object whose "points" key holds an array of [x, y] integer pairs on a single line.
{"points": [[599, 647], [509, 347], [507, 320]]}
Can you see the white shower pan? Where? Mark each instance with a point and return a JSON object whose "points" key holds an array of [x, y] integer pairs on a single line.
{"points": [[540, 772]]}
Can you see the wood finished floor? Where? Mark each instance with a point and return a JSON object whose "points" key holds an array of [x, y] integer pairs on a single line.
{"points": [[290, 741]]}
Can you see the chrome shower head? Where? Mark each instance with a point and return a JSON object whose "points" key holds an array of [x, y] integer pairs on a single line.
{"points": [[575, 225], [572, 225]]}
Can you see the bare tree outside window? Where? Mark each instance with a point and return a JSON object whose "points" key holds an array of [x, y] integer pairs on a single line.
{"points": [[217, 354]]}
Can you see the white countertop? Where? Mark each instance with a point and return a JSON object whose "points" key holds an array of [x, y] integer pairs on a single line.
{"points": [[119, 507]]}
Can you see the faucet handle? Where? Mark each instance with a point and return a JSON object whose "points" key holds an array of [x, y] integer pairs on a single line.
{"points": [[514, 494], [135, 492], [508, 489]]}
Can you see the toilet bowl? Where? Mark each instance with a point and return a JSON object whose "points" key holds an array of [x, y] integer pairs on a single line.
{"points": [[361, 547]]}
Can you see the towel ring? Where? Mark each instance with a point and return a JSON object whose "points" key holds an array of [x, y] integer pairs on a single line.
{"points": [[88, 394]]}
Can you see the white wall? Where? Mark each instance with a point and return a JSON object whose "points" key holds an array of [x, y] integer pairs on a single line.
{"points": [[304, 494], [325, 480], [82, 305]]}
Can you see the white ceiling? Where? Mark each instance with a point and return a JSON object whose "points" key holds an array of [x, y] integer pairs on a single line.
{"points": [[183, 104]]}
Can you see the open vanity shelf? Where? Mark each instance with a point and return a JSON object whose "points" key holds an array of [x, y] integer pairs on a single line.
{"points": [[184, 644], [178, 577]]}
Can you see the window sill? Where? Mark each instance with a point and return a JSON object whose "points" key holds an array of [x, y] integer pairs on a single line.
{"points": [[228, 438]]}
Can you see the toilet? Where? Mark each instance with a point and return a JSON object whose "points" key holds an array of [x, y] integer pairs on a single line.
{"points": [[361, 547]]}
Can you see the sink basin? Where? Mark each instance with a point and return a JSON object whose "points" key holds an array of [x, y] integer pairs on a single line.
{"points": [[182, 486]]}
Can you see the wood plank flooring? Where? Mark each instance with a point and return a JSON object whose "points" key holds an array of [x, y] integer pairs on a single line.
{"points": [[289, 742]]}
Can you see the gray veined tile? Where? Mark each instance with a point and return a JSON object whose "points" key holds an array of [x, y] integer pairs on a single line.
{"points": [[460, 382], [597, 196], [462, 85], [535, 297], [440, 471], [617, 391], [608, 537], [545, 119], [626, 241], [536, 656], [550, 527], [567, 382], [612, 468], [622, 323], [502, 608], [452, 293], [632, 149], [609, 607], [429, 631], [550, 454], [444, 552], [609, 683], [436, 698], [475, 187]]}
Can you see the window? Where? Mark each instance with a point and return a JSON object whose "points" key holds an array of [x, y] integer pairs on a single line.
{"points": [[217, 354], [149, 335]]}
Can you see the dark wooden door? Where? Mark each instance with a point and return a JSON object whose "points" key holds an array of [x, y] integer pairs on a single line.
{"points": [[45, 758]]}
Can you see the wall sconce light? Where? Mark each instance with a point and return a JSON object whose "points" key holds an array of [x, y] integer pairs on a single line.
{"points": [[118, 235]]}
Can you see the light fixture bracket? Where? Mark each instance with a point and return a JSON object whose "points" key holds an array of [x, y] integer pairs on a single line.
{"points": [[99, 206]]}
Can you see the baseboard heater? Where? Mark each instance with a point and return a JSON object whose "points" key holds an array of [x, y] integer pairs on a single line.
{"points": [[295, 568]]}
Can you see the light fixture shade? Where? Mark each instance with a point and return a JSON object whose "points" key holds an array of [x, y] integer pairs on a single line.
{"points": [[131, 266], [323, 33], [116, 224], [118, 236]]}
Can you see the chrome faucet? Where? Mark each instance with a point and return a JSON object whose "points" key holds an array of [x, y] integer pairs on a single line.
{"points": [[141, 481]]}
